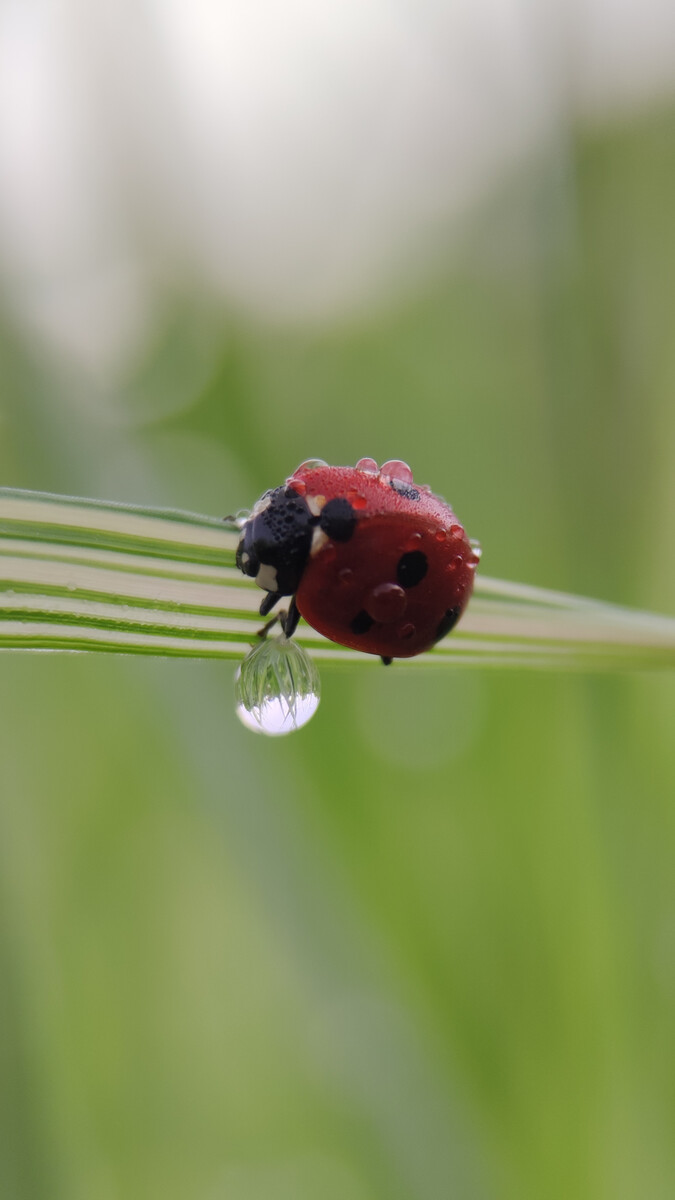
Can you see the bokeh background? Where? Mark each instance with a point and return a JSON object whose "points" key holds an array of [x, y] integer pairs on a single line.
{"points": [[425, 949]]}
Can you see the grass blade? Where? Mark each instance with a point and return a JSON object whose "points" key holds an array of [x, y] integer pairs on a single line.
{"points": [[79, 574]]}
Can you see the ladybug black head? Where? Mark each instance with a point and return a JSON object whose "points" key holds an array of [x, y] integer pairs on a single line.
{"points": [[276, 540]]}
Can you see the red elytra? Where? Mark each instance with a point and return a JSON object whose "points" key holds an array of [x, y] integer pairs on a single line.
{"points": [[395, 579]]}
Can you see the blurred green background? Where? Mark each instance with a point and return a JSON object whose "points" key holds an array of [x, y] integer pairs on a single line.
{"points": [[424, 949]]}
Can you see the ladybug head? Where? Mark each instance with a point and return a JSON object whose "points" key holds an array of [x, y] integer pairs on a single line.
{"points": [[276, 540]]}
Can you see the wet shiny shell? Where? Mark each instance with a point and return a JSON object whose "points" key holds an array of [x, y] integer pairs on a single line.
{"points": [[390, 570]]}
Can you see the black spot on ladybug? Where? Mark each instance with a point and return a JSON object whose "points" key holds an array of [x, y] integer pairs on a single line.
{"points": [[338, 519], [448, 622], [411, 568], [362, 622], [404, 489]]}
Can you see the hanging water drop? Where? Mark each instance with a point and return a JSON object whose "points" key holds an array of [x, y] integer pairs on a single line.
{"points": [[277, 687]]}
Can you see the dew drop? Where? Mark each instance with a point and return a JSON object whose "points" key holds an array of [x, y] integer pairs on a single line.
{"points": [[396, 469], [406, 631], [277, 687], [345, 575], [311, 464], [457, 531], [411, 543], [386, 602], [328, 553], [369, 465], [298, 485], [456, 561], [441, 535]]}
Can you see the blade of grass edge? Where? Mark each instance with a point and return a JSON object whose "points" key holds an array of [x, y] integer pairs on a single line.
{"points": [[78, 574]]}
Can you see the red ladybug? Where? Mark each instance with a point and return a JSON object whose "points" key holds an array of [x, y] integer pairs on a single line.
{"points": [[372, 560]]}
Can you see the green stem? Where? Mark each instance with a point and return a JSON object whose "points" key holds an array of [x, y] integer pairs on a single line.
{"points": [[89, 575]]}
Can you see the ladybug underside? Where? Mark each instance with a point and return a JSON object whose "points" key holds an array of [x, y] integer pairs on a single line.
{"points": [[376, 563]]}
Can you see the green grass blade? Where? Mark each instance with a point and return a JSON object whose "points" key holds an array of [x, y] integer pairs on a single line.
{"points": [[89, 575]]}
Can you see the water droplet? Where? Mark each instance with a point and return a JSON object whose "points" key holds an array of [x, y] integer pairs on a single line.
{"points": [[406, 631], [441, 535], [396, 469], [328, 553], [412, 542], [456, 562], [345, 575], [277, 687], [369, 465], [477, 551], [311, 464], [298, 485], [386, 602], [457, 531]]}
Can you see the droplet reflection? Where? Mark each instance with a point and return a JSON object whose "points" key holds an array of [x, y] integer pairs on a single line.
{"points": [[277, 687]]}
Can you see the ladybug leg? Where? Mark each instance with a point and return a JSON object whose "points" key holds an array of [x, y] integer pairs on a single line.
{"points": [[267, 603], [289, 620], [262, 633], [386, 661]]}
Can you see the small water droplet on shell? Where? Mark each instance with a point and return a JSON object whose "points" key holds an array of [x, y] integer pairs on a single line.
{"points": [[311, 464], [386, 602], [407, 631], [368, 465], [395, 468]]}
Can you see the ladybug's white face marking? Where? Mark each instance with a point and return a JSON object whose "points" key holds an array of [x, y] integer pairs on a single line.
{"points": [[267, 577], [315, 504], [319, 539]]}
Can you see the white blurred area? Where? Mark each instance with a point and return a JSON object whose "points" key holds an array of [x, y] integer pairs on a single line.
{"points": [[290, 161]]}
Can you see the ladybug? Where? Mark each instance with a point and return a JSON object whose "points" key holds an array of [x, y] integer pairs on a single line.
{"points": [[371, 560]]}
